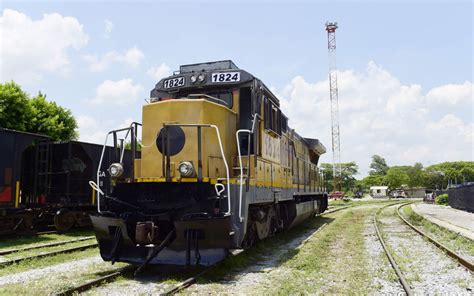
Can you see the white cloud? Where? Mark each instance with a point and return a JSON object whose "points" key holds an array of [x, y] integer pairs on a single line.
{"points": [[131, 57], [32, 48], [108, 27], [380, 115], [94, 130], [451, 94], [90, 130], [121, 92], [159, 72]]}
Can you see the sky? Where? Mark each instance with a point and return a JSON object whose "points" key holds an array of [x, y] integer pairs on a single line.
{"points": [[405, 71]]}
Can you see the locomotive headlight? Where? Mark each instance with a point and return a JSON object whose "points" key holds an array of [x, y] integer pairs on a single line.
{"points": [[115, 170], [193, 78], [201, 77], [186, 169]]}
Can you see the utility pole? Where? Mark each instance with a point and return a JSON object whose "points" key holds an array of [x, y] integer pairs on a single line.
{"points": [[333, 95]]}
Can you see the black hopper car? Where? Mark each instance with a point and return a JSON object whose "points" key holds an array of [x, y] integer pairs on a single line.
{"points": [[44, 183]]}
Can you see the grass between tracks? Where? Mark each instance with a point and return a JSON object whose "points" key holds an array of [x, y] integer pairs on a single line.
{"points": [[35, 252], [53, 282], [29, 241], [333, 261], [34, 263], [338, 251], [449, 238]]}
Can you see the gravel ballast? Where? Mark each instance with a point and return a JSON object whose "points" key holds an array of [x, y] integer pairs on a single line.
{"points": [[384, 279], [426, 268]]}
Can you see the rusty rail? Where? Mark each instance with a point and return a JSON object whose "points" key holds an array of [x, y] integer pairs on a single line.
{"points": [[75, 249], [93, 283], [394, 264], [54, 244], [442, 247], [187, 283]]}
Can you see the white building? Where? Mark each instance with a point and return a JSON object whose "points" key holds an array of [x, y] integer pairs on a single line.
{"points": [[379, 191]]}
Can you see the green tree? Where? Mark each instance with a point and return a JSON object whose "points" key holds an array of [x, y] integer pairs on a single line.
{"points": [[36, 115], [378, 166], [372, 180], [416, 176], [15, 109], [50, 119], [438, 175], [396, 177], [128, 145], [348, 171]]}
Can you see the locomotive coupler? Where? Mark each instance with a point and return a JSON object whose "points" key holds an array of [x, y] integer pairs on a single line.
{"points": [[146, 233]]}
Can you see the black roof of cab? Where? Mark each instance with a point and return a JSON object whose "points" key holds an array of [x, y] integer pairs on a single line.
{"points": [[181, 80], [218, 65]]}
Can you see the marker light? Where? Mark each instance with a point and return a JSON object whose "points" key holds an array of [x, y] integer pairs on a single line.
{"points": [[115, 170], [186, 169]]}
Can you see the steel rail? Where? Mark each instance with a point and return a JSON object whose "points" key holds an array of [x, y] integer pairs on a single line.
{"points": [[354, 205], [442, 247], [80, 248], [94, 283], [394, 264], [336, 209], [47, 232], [10, 251], [187, 283]]}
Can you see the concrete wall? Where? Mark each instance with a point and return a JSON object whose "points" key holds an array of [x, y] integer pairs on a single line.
{"points": [[462, 198], [415, 192]]}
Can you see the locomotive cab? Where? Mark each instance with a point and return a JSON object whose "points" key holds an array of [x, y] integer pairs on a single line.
{"points": [[219, 169]]}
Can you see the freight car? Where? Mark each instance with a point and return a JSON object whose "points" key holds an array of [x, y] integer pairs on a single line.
{"points": [[220, 169], [46, 182]]}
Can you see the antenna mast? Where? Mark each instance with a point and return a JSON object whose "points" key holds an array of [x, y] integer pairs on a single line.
{"points": [[333, 94]]}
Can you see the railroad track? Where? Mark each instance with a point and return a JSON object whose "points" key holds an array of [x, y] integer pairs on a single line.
{"points": [[351, 206], [188, 282], [465, 263], [47, 232], [394, 264], [96, 282], [114, 275], [54, 244], [337, 209], [42, 255]]}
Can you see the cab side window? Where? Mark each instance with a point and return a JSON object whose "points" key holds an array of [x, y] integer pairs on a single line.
{"points": [[272, 115]]}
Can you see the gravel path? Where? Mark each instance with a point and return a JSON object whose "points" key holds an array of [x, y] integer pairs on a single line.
{"points": [[384, 279], [426, 268], [28, 276]]}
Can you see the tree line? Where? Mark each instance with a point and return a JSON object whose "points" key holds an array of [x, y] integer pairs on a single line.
{"points": [[437, 176], [19, 111]]}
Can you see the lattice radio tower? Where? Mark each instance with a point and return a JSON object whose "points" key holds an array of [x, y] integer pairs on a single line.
{"points": [[336, 148]]}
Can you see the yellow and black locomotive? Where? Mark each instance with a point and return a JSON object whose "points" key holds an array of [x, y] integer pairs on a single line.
{"points": [[219, 169]]}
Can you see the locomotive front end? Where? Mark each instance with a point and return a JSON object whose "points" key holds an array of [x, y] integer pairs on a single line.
{"points": [[177, 207]]}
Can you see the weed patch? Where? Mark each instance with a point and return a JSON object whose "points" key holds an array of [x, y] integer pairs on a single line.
{"points": [[449, 238]]}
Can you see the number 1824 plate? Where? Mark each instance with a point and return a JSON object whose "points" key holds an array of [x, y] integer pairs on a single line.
{"points": [[225, 77]]}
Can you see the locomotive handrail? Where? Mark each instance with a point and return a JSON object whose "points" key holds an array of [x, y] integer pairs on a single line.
{"points": [[222, 153], [128, 129], [240, 161]]}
